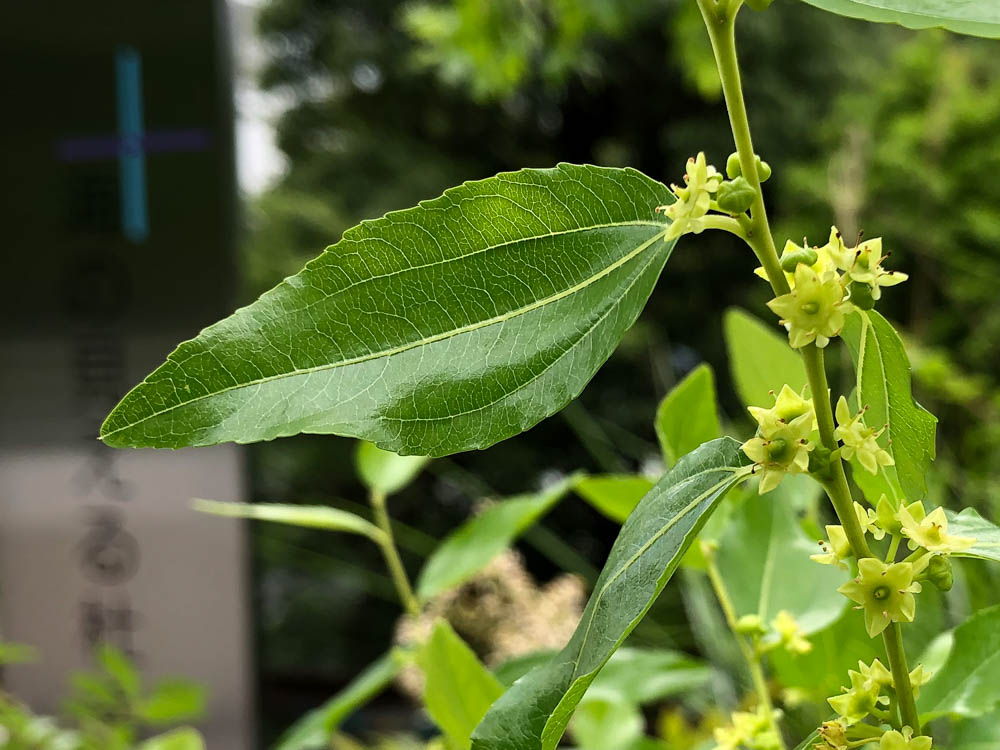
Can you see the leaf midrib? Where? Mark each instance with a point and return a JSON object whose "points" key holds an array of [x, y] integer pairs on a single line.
{"points": [[420, 342]]}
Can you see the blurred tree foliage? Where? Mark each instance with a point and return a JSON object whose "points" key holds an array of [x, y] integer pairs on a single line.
{"points": [[391, 102]]}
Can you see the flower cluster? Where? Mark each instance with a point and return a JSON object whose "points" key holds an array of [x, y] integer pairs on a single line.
{"points": [[754, 731], [781, 445], [826, 283], [869, 694], [860, 440]]}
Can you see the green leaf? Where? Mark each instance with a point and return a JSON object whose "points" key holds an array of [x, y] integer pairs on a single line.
{"points": [[969, 682], [974, 17], [982, 733], [459, 689], [764, 559], [516, 667], [970, 523], [642, 675], [473, 545], [315, 728], [809, 741], [443, 328], [687, 416], [607, 722], [883, 385], [614, 495], [534, 713], [385, 471], [760, 358], [120, 668], [313, 516], [17, 653], [178, 739], [172, 701]]}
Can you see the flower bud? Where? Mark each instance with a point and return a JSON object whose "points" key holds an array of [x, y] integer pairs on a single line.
{"points": [[793, 255], [939, 573], [750, 625], [733, 168], [736, 196]]}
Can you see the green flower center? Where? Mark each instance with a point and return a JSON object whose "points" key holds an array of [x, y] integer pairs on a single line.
{"points": [[881, 592], [810, 308]]}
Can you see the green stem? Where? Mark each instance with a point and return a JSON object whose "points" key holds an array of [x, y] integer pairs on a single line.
{"points": [[890, 556], [720, 20], [392, 560], [750, 655]]}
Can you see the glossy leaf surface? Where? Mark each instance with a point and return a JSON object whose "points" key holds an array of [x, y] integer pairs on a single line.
{"points": [[969, 682], [442, 328], [533, 714], [614, 495], [473, 545], [975, 17], [764, 560], [883, 386], [315, 729], [458, 688], [385, 471], [969, 523], [687, 416], [760, 358], [313, 516]]}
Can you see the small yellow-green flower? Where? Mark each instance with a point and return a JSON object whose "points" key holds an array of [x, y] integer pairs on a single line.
{"points": [[866, 268], [884, 591], [859, 439], [701, 180], [792, 416], [930, 531], [813, 310], [834, 735], [876, 673], [856, 702], [868, 521], [888, 516], [752, 730], [781, 445], [790, 633], [893, 740], [836, 550]]}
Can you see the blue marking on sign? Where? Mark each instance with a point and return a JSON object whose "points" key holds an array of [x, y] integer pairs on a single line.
{"points": [[131, 155]]}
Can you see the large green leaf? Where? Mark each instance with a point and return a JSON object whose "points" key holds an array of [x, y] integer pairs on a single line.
{"points": [[178, 739], [313, 516], [764, 559], [314, 730], [385, 471], [533, 714], [760, 358], [982, 733], [614, 495], [969, 523], [641, 675], [883, 385], [969, 682], [442, 328], [687, 416], [607, 722], [458, 688], [473, 545], [975, 17]]}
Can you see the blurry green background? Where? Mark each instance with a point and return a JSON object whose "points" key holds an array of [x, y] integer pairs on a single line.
{"points": [[386, 103]]}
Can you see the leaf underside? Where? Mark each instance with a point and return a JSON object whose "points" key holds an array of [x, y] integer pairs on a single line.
{"points": [[533, 714], [974, 17], [445, 327]]}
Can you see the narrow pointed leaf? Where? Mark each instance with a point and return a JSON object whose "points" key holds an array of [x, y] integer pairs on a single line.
{"points": [[687, 416], [458, 688], [442, 328], [473, 545], [974, 17], [969, 523], [313, 516], [883, 385], [614, 495], [760, 358], [533, 714], [315, 729]]}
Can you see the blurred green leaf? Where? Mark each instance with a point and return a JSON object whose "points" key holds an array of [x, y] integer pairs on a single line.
{"points": [[760, 359], [687, 416], [385, 471], [642, 675], [317, 727], [883, 383], [534, 713], [459, 689], [172, 701], [178, 739], [513, 669], [606, 722], [982, 733], [312, 516], [764, 560], [614, 495], [17, 653], [975, 17], [809, 741], [969, 683], [412, 331], [969, 523], [472, 546], [121, 669]]}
